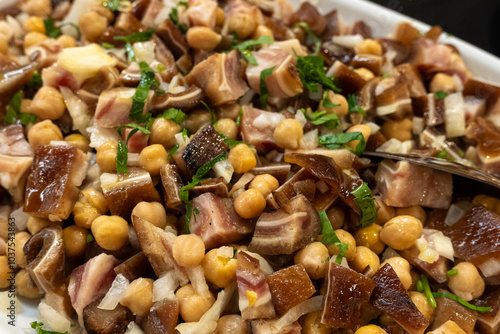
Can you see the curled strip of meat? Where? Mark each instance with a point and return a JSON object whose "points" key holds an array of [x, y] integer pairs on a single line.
{"points": [[185, 100]]}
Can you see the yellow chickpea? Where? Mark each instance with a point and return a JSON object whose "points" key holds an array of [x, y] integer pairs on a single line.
{"points": [[152, 212], [488, 202], [401, 232], [346, 238], [231, 110], [365, 257], [20, 240], [188, 250], [369, 236], [163, 132], [219, 270], [42, 8], [66, 41], [25, 106], [264, 183], [369, 46], [90, 205], [288, 134], [250, 204], [35, 224], [110, 232], [4, 272], [467, 283], [152, 157], [314, 257], [48, 103], [197, 119], [262, 30], [42, 133], [106, 156], [25, 286], [92, 26], [139, 296], [443, 82], [371, 329], [227, 127], [242, 23], [33, 38], [103, 11], [191, 305], [365, 131], [402, 268], [400, 130], [219, 17], [415, 211], [242, 158], [336, 215], [75, 241], [384, 212], [420, 301], [4, 45], [313, 325], [365, 73], [79, 141], [203, 38], [34, 23]]}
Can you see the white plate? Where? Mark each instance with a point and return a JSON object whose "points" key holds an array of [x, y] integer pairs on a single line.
{"points": [[382, 21]]}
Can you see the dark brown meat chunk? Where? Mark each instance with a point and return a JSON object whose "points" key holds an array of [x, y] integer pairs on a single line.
{"points": [[205, 146], [448, 309], [98, 321], [162, 318], [172, 183]]}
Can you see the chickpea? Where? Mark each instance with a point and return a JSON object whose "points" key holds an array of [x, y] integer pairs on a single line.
{"points": [[369, 236], [48, 103], [90, 205], [191, 305], [92, 26], [264, 183], [242, 23], [262, 30], [342, 107], [42, 133], [25, 285], [365, 257], [152, 157], [25, 106], [203, 38], [20, 240], [139, 296], [163, 132], [219, 270], [369, 46], [4, 45], [4, 272], [336, 215], [420, 301], [443, 82], [75, 241], [103, 11], [384, 212], [66, 41], [402, 269], [313, 325], [365, 131], [41, 8], [288, 134], [347, 238], [231, 323], [231, 110], [34, 23], [106, 156], [488, 202], [314, 258], [415, 277], [110, 232], [400, 130], [365, 73], [227, 127], [219, 17], [152, 212], [197, 119], [371, 329], [467, 283], [79, 141], [401, 232], [250, 204], [415, 211], [35, 224], [242, 158], [188, 250], [33, 38]]}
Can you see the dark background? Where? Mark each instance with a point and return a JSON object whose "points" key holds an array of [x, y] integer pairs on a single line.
{"points": [[475, 21]]}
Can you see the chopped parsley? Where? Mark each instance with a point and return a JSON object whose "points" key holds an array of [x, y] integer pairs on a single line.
{"points": [[175, 115], [53, 31], [366, 204], [330, 238], [141, 94], [439, 95], [327, 103], [121, 158], [459, 300], [316, 40], [142, 36], [385, 76], [336, 141], [89, 238], [264, 92], [173, 150], [174, 17], [234, 41], [107, 46], [443, 154], [14, 113], [246, 45], [113, 5], [329, 121], [352, 101], [135, 128], [35, 82], [312, 74], [36, 325], [452, 272], [233, 142]]}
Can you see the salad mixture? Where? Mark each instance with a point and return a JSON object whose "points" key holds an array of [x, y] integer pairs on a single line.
{"points": [[197, 167]]}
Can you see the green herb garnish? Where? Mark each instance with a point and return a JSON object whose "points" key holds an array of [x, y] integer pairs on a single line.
{"points": [[316, 40], [14, 111], [246, 45], [135, 128], [121, 158], [89, 238], [366, 204], [336, 141], [234, 41], [173, 150], [142, 36], [439, 95], [113, 5], [240, 116], [420, 286], [385, 76], [264, 92], [233, 142], [212, 112], [312, 74], [329, 121], [107, 46], [443, 154], [330, 238], [354, 107], [326, 101], [459, 300], [174, 17], [141, 94], [452, 272], [175, 115], [39, 330], [35, 82], [427, 291], [53, 31]]}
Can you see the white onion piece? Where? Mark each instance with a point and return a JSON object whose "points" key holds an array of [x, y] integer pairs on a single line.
{"points": [[78, 110], [389, 252], [427, 253], [454, 113], [275, 156], [197, 278], [100, 135], [144, 51], [311, 305], [268, 119], [310, 140], [348, 41], [264, 265], [373, 127], [21, 218], [179, 137], [78, 8], [115, 293], [490, 268], [164, 287], [170, 229], [301, 118], [208, 321], [225, 251], [440, 243], [58, 143], [133, 328], [224, 169], [457, 211], [343, 262], [418, 125], [55, 320], [242, 182]]}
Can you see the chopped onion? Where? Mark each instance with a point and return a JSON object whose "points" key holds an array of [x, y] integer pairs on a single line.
{"points": [[275, 156], [242, 182], [310, 140], [348, 41], [264, 265], [440, 243], [170, 229], [418, 125], [21, 218], [208, 321], [224, 169], [58, 143], [454, 113], [301, 118], [78, 8], [457, 211], [427, 254], [53, 319], [311, 305], [343, 262], [490, 268], [100, 135], [144, 51], [164, 287], [268, 119], [225, 251], [179, 137], [133, 328], [373, 127], [395, 146], [197, 278], [78, 110], [133, 159], [108, 178], [115, 293], [85, 61]]}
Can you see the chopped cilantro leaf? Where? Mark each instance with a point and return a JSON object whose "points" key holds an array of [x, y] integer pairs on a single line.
{"points": [[107, 46], [233, 142], [14, 111], [316, 40], [312, 74], [212, 112], [234, 41], [246, 53], [175, 115], [27, 118], [89, 238], [386, 75], [354, 107], [113, 5], [141, 94], [135, 37], [264, 92], [327, 103], [39, 330], [121, 158], [174, 17], [329, 121], [173, 150], [50, 28], [452, 272], [135, 128], [443, 154], [336, 141], [366, 204], [439, 95], [330, 238], [35, 82]]}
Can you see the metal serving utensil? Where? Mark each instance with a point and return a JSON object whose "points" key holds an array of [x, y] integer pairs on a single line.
{"points": [[442, 165]]}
